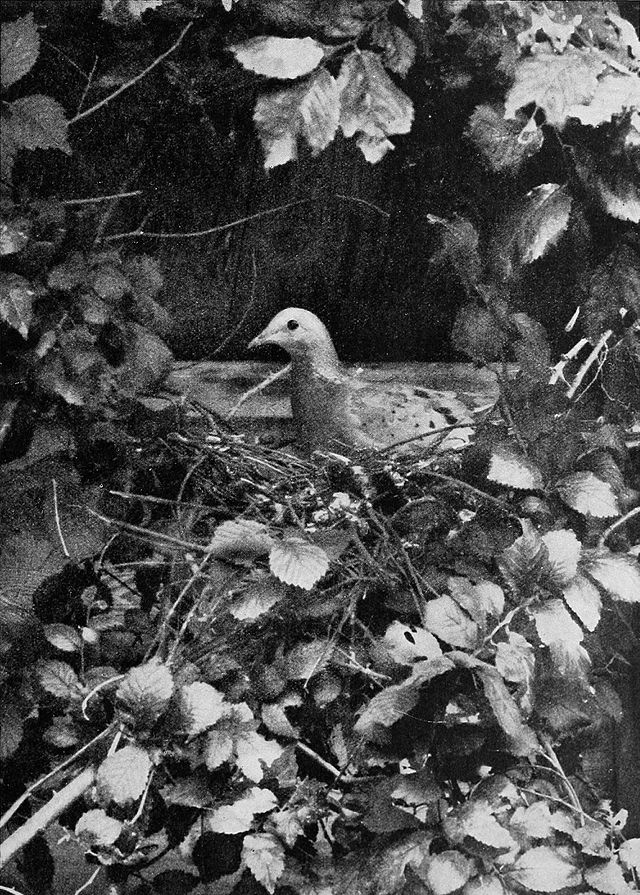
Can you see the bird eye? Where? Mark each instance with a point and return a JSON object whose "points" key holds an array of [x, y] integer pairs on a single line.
{"points": [[292, 324]]}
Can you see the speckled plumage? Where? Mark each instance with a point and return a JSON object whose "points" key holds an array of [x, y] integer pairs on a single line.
{"points": [[335, 410]]}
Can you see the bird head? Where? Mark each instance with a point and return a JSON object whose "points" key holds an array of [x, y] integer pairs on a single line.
{"points": [[299, 332]]}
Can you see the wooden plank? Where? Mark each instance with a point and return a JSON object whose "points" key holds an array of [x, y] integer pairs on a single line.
{"points": [[218, 385]]}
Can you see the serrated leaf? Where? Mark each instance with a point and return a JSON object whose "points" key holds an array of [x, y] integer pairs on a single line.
{"points": [[509, 467], [444, 618], [615, 93], [62, 734], [298, 562], [554, 83], [535, 821], [218, 747], [408, 643], [193, 792], [263, 854], [16, 302], [447, 872], [459, 239], [544, 219], [608, 878], [59, 679], [306, 659], [398, 49], [371, 105], [238, 817], [19, 48], [545, 869], [310, 110], [201, 706], [145, 692], [240, 539], [481, 825], [285, 58], [14, 235], [629, 854], [583, 599], [252, 751], [504, 145], [553, 623], [564, 551], [95, 827], [63, 637], [620, 198], [515, 662], [38, 122], [478, 600], [260, 595], [275, 718], [589, 495], [122, 777], [618, 574], [526, 560], [397, 700]]}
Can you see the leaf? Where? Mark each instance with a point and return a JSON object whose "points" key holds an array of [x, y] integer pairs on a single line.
{"points": [[504, 145], [95, 827], [589, 495], [564, 550], [306, 659], [145, 692], [122, 777], [507, 466], [310, 110], [627, 36], [583, 599], [629, 854], [59, 679], [19, 49], [614, 94], [481, 825], [11, 729], [38, 122], [554, 83], [398, 49], [407, 643], [371, 105], [558, 33], [16, 302], [447, 872], [285, 58], [522, 739], [545, 869], [240, 539], [479, 600], [620, 198], [109, 283], [459, 240], [535, 821], [14, 235], [608, 878], [444, 618], [553, 623], [263, 854], [618, 573], [63, 637], [238, 817], [201, 706], [62, 734], [252, 751], [261, 595], [298, 562], [397, 700], [542, 220], [218, 748], [515, 662], [138, 7]]}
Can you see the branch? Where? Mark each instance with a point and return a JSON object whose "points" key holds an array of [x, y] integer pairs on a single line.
{"points": [[261, 386], [121, 89], [614, 525], [45, 815], [584, 369]]}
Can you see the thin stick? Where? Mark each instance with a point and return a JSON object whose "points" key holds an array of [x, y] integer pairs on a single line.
{"points": [[123, 87], [45, 815], [582, 372], [90, 881], [57, 518], [617, 524], [363, 202], [93, 200], [273, 377], [87, 85]]}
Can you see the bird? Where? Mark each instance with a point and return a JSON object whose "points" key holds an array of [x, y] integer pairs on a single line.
{"points": [[339, 411]]}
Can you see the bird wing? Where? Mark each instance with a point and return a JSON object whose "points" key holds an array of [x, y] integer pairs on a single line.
{"points": [[385, 415]]}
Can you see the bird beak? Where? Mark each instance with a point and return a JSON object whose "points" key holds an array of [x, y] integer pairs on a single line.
{"points": [[262, 338]]}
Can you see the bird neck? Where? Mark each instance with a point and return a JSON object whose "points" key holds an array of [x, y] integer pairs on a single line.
{"points": [[319, 359]]}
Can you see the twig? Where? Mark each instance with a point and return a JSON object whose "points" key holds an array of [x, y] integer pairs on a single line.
{"points": [[45, 815], [582, 372], [96, 689], [335, 772], [459, 483], [148, 534], [247, 310], [617, 524], [271, 378], [93, 200], [558, 370], [57, 518], [363, 202], [90, 881], [553, 760], [138, 77], [87, 85]]}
